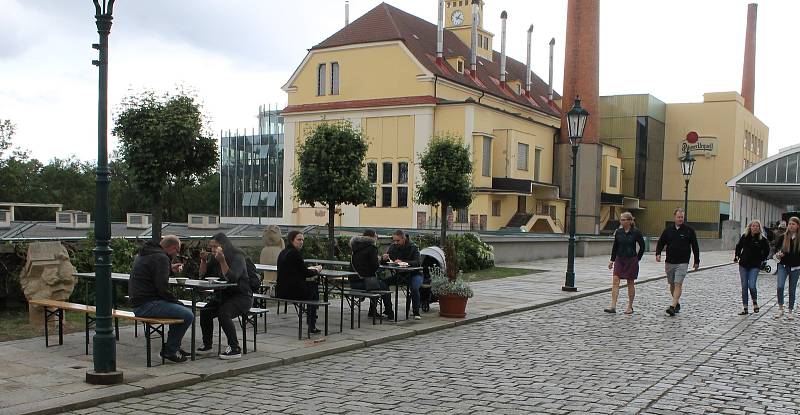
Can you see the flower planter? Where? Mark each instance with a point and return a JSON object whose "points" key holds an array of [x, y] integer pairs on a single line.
{"points": [[452, 306]]}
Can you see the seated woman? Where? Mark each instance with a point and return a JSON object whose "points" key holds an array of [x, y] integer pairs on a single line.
{"points": [[295, 280], [228, 262], [366, 262]]}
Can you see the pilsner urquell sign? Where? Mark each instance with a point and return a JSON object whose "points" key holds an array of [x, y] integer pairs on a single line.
{"points": [[705, 146]]}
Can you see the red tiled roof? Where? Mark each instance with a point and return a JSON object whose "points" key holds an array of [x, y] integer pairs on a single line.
{"points": [[386, 23], [362, 103]]}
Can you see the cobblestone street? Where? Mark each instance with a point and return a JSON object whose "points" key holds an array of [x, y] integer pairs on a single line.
{"points": [[565, 358]]}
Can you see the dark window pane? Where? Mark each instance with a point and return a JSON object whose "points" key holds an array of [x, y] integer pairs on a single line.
{"points": [[372, 172], [495, 208], [321, 79], [486, 166], [402, 196], [387, 172], [402, 172], [371, 202], [386, 196], [463, 216]]}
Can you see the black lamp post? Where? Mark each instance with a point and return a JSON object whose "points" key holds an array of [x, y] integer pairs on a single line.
{"points": [[104, 353], [687, 165], [576, 122]]}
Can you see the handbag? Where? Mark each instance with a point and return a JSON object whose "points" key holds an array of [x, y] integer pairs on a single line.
{"points": [[372, 283]]}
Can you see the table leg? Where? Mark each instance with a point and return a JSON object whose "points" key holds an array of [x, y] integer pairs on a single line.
{"points": [[396, 295], [194, 312]]}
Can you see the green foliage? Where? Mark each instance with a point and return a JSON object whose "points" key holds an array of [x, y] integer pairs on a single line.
{"points": [[7, 130], [442, 285], [471, 252], [316, 246], [164, 141]]}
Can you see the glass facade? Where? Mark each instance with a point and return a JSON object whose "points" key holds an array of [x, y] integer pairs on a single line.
{"points": [[251, 167]]}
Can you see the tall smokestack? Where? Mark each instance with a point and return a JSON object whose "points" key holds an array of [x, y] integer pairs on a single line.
{"points": [[528, 64], [749, 69], [473, 57], [346, 13], [503, 17], [440, 35], [550, 75]]}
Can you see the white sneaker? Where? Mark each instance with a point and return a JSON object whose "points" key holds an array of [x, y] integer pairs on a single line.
{"points": [[778, 314], [789, 315], [417, 317], [229, 354]]}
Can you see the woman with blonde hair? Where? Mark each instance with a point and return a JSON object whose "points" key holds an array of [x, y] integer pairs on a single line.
{"points": [[787, 248], [751, 251], [625, 260]]}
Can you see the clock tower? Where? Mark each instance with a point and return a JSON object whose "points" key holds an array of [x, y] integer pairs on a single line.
{"points": [[458, 18]]}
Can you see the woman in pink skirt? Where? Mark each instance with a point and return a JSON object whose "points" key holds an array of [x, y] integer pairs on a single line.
{"points": [[625, 260]]}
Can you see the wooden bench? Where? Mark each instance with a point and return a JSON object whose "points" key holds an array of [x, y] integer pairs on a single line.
{"points": [[300, 307], [356, 297], [53, 309], [248, 320]]}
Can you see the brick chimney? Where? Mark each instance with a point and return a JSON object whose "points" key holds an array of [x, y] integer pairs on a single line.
{"points": [[582, 64], [749, 68]]}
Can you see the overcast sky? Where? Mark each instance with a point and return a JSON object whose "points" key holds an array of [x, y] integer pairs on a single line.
{"points": [[236, 54]]}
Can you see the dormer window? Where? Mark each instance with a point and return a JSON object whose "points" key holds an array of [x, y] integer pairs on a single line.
{"points": [[460, 66]]}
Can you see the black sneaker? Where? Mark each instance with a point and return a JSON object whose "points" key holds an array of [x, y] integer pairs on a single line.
{"points": [[389, 315], [231, 353], [205, 348], [175, 358], [314, 330], [671, 311], [678, 308], [372, 313]]}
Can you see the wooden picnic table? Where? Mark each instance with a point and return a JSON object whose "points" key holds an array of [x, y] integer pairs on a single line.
{"points": [[396, 269], [330, 262], [194, 285]]}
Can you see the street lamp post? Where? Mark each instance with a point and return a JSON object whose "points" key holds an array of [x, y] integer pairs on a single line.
{"points": [[687, 165], [103, 344], [576, 122]]}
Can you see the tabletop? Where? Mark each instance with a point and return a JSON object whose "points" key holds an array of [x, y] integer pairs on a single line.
{"points": [[191, 283]]}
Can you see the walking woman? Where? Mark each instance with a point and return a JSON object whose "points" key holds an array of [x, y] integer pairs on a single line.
{"points": [[625, 260], [787, 248], [751, 251]]}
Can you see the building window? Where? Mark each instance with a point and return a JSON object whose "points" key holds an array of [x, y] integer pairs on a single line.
{"points": [[496, 207], [460, 66], [486, 42], [613, 176], [334, 78], [321, 79], [372, 172], [522, 156], [386, 196], [462, 216], [402, 196], [537, 164], [387, 172], [371, 201], [402, 172], [486, 166]]}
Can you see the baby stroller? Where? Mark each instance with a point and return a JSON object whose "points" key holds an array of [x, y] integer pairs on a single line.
{"points": [[430, 256]]}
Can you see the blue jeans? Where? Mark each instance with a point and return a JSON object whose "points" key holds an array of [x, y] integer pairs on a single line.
{"points": [[783, 272], [161, 308], [749, 279], [416, 282]]}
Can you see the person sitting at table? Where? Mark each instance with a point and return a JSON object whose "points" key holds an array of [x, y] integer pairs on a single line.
{"points": [[226, 261], [366, 262], [295, 280], [404, 250], [150, 296]]}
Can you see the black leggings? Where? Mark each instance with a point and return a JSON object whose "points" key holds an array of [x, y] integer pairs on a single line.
{"points": [[225, 312]]}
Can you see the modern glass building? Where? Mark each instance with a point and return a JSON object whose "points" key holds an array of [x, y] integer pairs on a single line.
{"points": [[251, 180]]}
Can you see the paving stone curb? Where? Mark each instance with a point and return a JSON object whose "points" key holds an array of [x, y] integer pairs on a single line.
{"points": [[180, 380]]}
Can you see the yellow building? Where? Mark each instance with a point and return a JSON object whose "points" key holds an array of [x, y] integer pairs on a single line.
{"points": [[381, 73]]}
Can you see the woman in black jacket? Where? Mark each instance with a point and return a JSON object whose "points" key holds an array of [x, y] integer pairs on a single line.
{"points": [[751, 251], [787, 249], [295, 280], [366, 263], [625, 260]]}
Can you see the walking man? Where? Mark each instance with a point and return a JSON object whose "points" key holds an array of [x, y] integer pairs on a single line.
{"points": [[680, 241]]}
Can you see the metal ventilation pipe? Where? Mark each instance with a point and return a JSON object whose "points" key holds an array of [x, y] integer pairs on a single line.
{"points": [[528, 63], [550, 76], [440, 35], [346, 13], [473, 60], [503, 17]]}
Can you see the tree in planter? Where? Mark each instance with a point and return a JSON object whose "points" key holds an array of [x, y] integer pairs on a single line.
{"points": [[163, 140], [331, 171], [446, 177]]}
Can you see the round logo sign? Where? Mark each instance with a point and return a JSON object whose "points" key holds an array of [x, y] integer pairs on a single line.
{"points": [[691, 137]]}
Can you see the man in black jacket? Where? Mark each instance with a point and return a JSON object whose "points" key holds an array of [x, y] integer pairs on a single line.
{"points": [[150, 296], [404, 250], [681, 241]]}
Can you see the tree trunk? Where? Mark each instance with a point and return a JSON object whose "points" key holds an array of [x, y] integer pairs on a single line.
{"points": [[331, 239], [443, 231], [157, 215]]}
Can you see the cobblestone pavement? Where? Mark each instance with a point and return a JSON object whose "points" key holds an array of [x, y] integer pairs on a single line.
{"points": [[565, 358]]}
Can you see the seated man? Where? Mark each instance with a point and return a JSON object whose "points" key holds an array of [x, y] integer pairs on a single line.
{"points": [[228, 262], [365, 262], [150, 297], [404, 250], [296, 281]]}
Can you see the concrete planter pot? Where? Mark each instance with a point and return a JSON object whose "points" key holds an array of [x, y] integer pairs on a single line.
{"points": [[452, 306]]}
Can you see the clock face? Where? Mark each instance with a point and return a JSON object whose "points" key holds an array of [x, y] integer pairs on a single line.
{"points": [[457, 17]]}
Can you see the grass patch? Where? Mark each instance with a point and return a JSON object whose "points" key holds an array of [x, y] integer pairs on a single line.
{"points": [[498, 272], [15, 325]]}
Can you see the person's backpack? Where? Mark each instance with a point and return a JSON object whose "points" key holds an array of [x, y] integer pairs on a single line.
{"points": [[253, 276]]}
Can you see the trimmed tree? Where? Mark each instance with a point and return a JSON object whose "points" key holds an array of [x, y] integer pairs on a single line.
{"points": [[164, 140], [331, 171], [446, 169]]}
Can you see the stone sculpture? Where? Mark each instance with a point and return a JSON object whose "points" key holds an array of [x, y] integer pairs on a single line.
{"points": [[47, 274], [273, 245]]}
